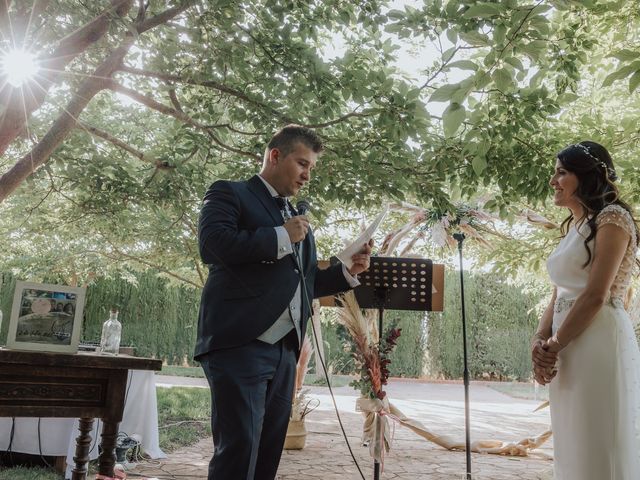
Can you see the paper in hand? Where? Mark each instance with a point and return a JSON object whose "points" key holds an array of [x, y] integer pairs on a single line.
{"points": [[345, 255]]}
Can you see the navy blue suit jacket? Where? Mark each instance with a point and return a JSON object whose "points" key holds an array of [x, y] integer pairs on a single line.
{"points": [[248, 288]]}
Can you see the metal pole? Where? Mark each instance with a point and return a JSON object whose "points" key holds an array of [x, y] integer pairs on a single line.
{"points": [[467, 425], [376, 465]]}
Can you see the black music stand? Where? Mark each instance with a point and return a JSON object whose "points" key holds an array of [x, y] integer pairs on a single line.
{"points": [[396, 284]]}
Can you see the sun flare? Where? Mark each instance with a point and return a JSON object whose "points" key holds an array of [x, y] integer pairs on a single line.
{"points": [[19, 66]]}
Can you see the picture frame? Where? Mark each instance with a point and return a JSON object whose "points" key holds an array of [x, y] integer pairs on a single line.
{"points": [[46, 317]]}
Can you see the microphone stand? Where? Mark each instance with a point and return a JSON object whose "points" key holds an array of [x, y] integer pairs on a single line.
{"points": [[467, 425]]}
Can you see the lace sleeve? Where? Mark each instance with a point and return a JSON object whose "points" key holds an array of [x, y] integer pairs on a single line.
{"points": [[618, 216]]}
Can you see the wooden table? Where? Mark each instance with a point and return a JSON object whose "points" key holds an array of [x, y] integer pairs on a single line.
{"points": [[84, 386]]}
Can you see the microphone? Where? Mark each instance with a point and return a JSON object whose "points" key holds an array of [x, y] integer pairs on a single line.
{"points": [[303, 207]]}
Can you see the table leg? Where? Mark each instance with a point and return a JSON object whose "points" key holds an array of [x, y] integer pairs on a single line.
{"points": [[82, 450], [108, 444]]}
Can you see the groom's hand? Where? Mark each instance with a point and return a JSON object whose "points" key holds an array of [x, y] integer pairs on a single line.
{"points": [[297, 228], [361, 259]]}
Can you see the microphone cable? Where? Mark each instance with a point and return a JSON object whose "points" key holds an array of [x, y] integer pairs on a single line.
{"points": [[322, 362]]}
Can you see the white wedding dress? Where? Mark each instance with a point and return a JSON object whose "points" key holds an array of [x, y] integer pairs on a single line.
{"points": [[595, 397]]}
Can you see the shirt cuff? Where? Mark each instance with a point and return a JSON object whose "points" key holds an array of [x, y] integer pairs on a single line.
{"points": [[351, 280], [284, 242]]}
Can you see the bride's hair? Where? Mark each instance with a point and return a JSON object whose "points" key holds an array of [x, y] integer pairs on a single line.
{"points": [[592, 164]]}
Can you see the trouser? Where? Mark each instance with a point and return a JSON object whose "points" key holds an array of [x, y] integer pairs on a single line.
{"points": [[251, 394]]}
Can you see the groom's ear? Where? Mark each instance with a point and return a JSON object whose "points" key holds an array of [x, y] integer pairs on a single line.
{"points": [[274, 156]]}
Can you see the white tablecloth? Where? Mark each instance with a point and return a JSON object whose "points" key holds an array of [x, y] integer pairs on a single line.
{"points": [[58, 435]]}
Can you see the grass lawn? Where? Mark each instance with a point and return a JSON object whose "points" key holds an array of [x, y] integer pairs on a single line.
{"points": [[21, 473], [521, 390], [183, 416], [176, 371]]}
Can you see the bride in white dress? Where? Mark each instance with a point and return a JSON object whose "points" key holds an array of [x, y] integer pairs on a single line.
{"points": [[585, 346]]}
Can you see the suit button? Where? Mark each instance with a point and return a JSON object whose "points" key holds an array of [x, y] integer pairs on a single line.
{"points": [[296, 270]]}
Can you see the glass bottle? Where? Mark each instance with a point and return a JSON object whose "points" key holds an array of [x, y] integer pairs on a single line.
{"points": [[111, 333]]}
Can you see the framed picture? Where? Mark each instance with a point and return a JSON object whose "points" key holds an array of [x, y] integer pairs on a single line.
{"points": [[46, 317]]}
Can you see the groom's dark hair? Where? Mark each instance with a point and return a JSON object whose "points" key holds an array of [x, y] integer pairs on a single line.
{"points": [[289, 136]]}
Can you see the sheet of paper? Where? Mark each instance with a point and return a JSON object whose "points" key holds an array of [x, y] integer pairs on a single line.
{"points": [[345, 255]]}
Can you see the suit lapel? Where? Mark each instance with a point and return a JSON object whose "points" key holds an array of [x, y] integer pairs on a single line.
{"points": [[258, 188]]}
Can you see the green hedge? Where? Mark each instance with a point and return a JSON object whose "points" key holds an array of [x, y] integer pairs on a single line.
{"points": [[157, 318], [160, 320], [501, 318]]}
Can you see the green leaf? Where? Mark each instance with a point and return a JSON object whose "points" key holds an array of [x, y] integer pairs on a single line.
{"points": [[515, 62], [448, 54], [483, 10], [634, 81], [540, 9], [622, 72], [479, 164], [537, 78], [626, 55], [444, 93], [503, 79], [500, 33], [475, 39], [452, 118], [452, 35], [567, 98], [534, 49], [464, 65]]}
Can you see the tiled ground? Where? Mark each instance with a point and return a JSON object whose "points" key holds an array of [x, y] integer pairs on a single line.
{"points": [[438, 406]]}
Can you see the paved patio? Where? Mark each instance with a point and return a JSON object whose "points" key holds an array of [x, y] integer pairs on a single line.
{"points": [[439, 406]]}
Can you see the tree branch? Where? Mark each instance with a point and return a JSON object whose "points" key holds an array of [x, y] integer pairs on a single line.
{"points": [[174, 100], [117, 142], [439, 71], [341, 119], [100, 79], [21, 102], [121, 255], [64, 123], [183, 117], [165, 16], [236, 93], [209, 84]]}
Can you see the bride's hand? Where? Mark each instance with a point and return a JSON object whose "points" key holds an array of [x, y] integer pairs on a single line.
{"points": [[543, 376], [541, 356]]}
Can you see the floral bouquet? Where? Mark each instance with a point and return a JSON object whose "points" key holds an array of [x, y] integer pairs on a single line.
{"points": [[373, 359]]}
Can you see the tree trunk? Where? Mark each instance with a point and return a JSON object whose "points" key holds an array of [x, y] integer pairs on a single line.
{"points": [[22, 101], [65, 122]]}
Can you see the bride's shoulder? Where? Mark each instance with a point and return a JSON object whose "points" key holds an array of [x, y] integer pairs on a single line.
{"points": [[617, 215]]}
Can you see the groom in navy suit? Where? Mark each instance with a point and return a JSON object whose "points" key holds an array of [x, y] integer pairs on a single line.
{"points": [[263, 275]]}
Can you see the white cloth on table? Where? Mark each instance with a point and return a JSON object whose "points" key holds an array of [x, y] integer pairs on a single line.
{"points": [[57, 436]]}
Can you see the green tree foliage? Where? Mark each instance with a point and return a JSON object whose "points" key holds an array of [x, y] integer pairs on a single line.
{"points": [[195, 97]]}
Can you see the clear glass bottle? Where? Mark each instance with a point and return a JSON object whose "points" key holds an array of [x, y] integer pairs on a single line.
{"points": [[111, 333]]}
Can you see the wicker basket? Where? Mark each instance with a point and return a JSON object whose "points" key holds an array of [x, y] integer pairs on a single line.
{"points": [[296, 435]]}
